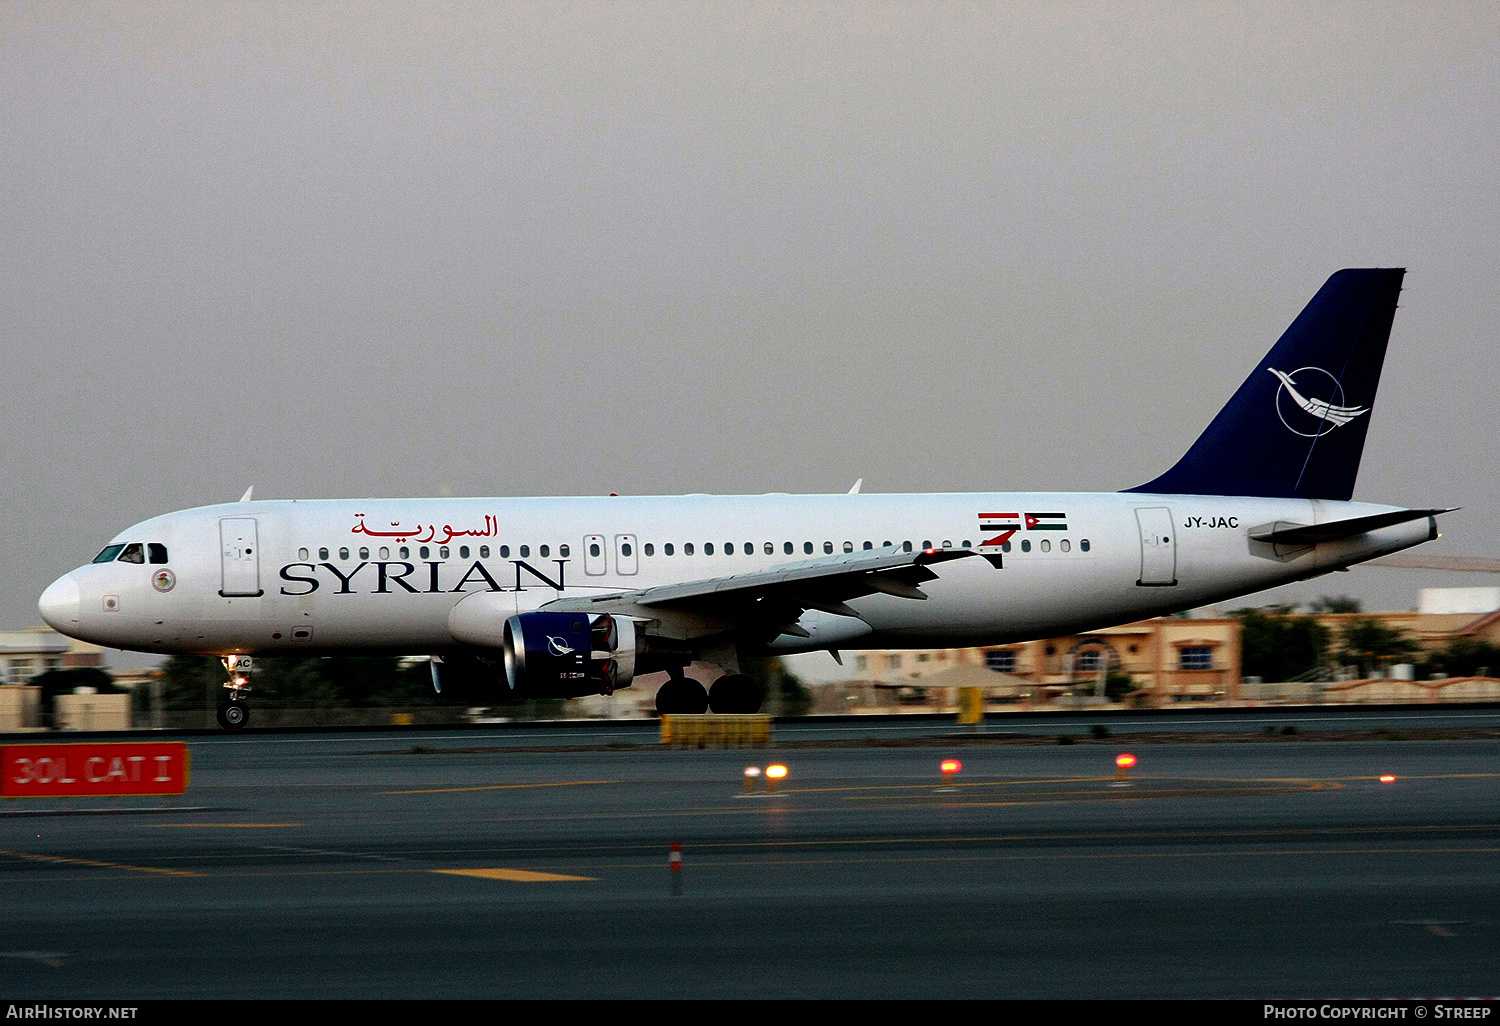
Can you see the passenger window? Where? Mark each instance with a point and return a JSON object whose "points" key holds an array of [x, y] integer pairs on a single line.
{"points": [[687, 549], [729, 548], [302, 554], [405, 552], [1064, 545], [869, 546], [1084, 545], [504, 552], [134, 553], [650, 549], [385, 552], [562, 550], [828, 547], [463, 552], [344, 553], [770, 549], [525, 551], [926, 544], [108, 554], [323, 553], [624, 549], [1005, 546], [424, 552], [968, 544], [594, 549], [157, 552], [906, 546], [749, 548], [848, 546], [787, 548], [667, 548], [484, 551], [947, 544], [364, 552], [1025, 544], [807, 548], [1046, 545], [546, 550]]}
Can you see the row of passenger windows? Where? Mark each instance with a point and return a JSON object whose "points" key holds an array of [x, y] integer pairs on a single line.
{"points": [[443, 552], [667, 549], [134, 552]]}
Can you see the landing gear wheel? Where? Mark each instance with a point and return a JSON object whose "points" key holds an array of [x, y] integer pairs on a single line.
{"points": [[233, 715], [735, 693], [681, 695]]}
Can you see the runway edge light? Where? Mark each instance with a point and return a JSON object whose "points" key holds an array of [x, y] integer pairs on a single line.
{"points": [[1123, 762]]}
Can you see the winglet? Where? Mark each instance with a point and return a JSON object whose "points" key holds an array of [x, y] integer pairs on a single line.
{"points": [[248, 492], [855, 489]]}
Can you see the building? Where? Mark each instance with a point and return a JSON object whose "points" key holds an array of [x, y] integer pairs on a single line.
{"points": [[1168, 659]]}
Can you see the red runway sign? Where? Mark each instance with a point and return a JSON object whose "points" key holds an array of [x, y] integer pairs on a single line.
{"points": [[53, 771]]}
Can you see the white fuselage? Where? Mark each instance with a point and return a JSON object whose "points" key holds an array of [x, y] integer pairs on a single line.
{"points": [[383, 575]]}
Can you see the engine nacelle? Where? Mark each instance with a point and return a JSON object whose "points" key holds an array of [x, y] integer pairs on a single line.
{"points": [[564, 655]]}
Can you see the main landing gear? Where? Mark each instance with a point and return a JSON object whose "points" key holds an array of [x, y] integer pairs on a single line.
{"points": [[731, 693], [234, 710]]}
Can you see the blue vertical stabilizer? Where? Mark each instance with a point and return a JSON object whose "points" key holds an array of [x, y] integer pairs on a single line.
{"points": [[1296, 427]]}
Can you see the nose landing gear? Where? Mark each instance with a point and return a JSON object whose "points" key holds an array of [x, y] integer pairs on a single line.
{"points": [[234, 710]]}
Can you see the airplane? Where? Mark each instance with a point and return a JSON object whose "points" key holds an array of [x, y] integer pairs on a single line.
{"points": [[568, 596]]}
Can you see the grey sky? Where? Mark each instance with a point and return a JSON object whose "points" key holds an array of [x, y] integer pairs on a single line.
{"points": [[520, 249]]}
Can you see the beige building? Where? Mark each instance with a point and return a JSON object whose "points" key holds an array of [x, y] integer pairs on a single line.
{"points": [[1169, 659], [31, 652]]}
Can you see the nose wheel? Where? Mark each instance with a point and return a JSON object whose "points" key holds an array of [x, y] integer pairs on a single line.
{"points": [[234, 714], [234, 710]]}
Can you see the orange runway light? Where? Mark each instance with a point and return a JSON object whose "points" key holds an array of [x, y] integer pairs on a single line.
{"points": [[950, 768], [1387, 778], [773, 774]]}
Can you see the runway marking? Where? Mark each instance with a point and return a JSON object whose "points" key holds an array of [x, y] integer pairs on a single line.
{"points": [[99, 865], [1064, 856], [514, 875], [504, 787], [217, 826]]}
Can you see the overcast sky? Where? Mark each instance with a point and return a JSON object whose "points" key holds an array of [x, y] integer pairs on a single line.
{"points": [[522, 249]]}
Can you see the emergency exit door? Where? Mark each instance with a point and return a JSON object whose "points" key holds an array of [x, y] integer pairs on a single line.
{"points": [[239, 550], [1158, 547]]}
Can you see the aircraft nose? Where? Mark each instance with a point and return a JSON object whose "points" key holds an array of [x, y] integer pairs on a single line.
{"points": [[60, 603]]}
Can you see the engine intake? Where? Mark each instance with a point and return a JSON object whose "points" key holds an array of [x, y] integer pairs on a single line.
{"points": [[565, 655]]}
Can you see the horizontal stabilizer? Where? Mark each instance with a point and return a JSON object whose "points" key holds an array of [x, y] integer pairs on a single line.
{"points": [[1283, 533]]}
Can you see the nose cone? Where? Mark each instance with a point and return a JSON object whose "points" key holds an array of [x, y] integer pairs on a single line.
{"points": [[60, 603]]}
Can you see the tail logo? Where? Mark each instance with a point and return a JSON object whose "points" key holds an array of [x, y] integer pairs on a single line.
{"points": [[1312, 418]]}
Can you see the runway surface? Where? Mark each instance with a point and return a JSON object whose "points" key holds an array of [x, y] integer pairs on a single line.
{"points": [[458, 864]]}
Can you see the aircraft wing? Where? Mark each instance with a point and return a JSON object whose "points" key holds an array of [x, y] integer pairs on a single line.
{"points": [[777, 596]]}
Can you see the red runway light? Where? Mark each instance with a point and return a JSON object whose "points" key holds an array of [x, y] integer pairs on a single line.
{"points": [[1125, 761], [1387, 778], [950, 766]]}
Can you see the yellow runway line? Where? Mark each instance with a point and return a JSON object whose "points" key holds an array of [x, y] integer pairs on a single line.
{"points": [[217, 826], [514, 875], [504, 787], [98, 865]]}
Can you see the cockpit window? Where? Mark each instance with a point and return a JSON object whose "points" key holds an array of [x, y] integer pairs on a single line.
{"points": [[156, 552], [134, 553], [109, 554]]}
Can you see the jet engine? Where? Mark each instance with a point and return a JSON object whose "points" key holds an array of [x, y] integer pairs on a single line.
{"points": [[564, 655]]}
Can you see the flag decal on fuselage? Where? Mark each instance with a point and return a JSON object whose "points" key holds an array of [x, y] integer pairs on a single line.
{"points": [[1003, 525]]}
